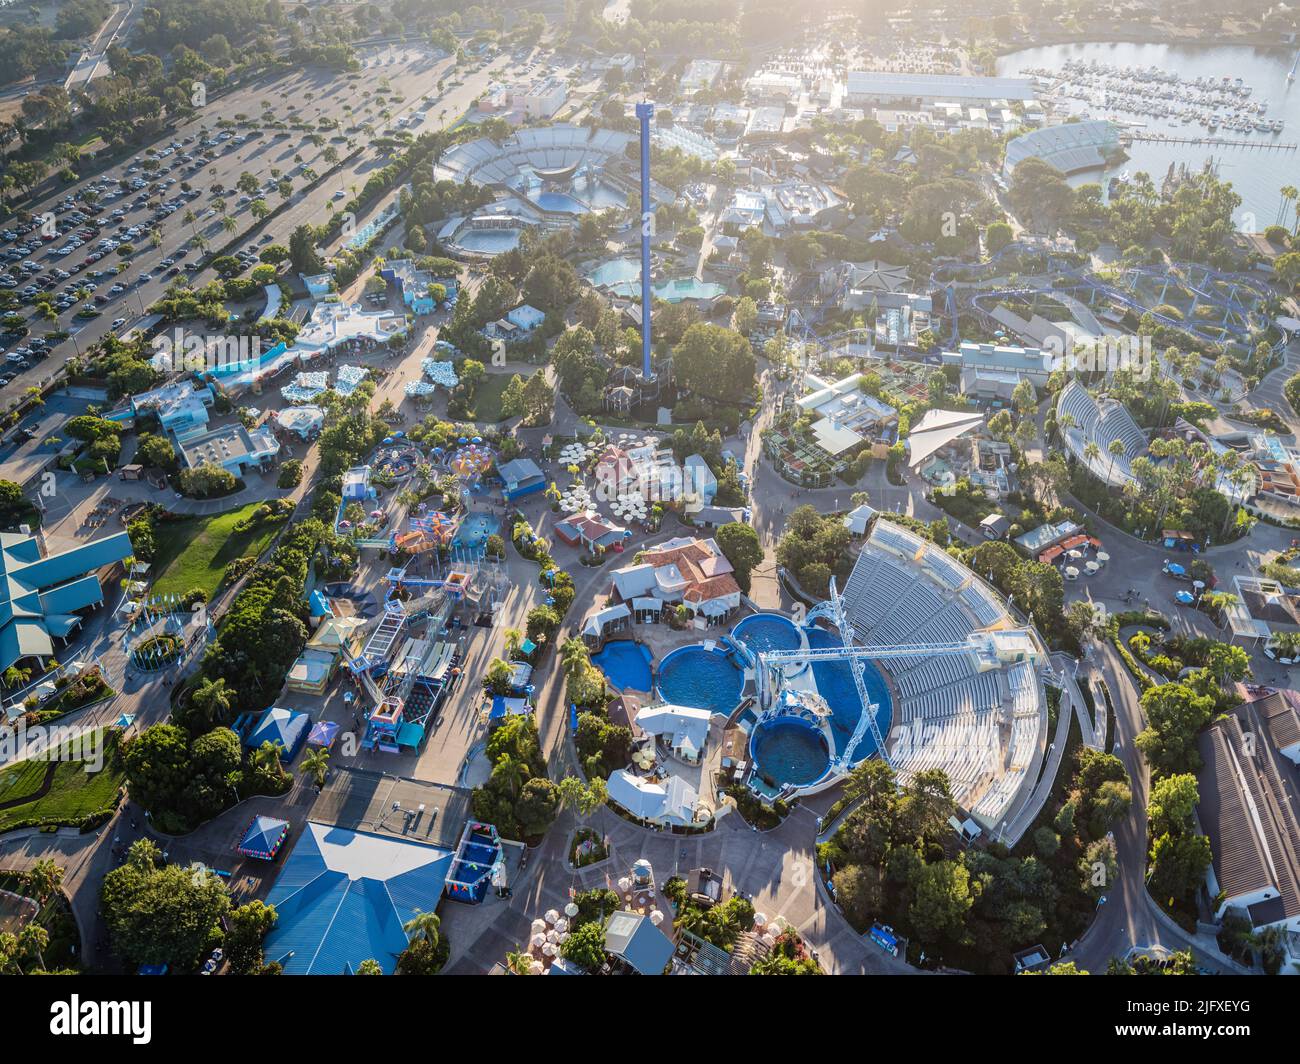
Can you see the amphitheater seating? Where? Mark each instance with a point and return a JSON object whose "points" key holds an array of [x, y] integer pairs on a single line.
{"points": [[983, 606], [898, 540], [1100, 423], [983, 728], [944, 569], [918, 602], [544, 148]]}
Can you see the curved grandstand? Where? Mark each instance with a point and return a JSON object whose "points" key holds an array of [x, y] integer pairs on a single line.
{"points": [[1101, 423], [1069, 148], [963, 676], [981, 716], [545, 151]]}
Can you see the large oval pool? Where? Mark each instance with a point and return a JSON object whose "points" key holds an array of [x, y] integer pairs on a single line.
{"points": [[704, 679]]}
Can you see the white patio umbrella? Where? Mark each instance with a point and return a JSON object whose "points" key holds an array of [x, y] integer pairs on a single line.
{"points": [[551, 916], [538, 927], [550, 949], [571, 909], [624, 884], [656, 917], [1092, 568], [760, 919], [538, 941], [769, 940], [1071, 573], [561, 925], [552, 936], [1102, 557]]}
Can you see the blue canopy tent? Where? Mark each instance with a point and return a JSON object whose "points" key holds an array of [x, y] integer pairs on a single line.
{"points": [[284, 727], [1184, 598], [263, 837], [323, 734], [503, 707], [1174, 569]]}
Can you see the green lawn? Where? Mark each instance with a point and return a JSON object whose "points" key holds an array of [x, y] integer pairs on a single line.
{"points": [[487, 396], [74, 792], [21, 779], [194, 552]]}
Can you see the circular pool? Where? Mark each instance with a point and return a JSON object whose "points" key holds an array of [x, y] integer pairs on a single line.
{"points": [[789, 750], [761, 632], [702, 678]]}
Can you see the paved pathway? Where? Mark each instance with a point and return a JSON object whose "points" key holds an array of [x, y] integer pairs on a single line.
{"points": [[775, 869]]}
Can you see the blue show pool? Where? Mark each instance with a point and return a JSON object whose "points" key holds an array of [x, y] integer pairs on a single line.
{"points": [[767, 631], [615, 271], [704, 679], [789, 750], [625, 664], [475, 529], [835, 684], [669, 291], [488, 241]]}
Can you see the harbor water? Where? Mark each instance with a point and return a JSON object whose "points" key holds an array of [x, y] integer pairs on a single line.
{"points": [[1257, 172]]}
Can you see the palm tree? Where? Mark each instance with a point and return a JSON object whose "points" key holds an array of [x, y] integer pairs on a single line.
{"points": [[9, 954], [520, 962], [514, 640], [369, 966], [1091, 451], [316, 764], [266, 758], [44, 878], [423, 926], [1116, 448], [573, 655], [32, 940], [1289, 193], [499, 675], [513, 773]]}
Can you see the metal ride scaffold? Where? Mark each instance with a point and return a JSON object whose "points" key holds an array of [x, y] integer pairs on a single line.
{"points": [[771, 665]]}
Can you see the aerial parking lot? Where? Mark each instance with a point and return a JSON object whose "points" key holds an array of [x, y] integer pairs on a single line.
{"points": [[141, 201]]}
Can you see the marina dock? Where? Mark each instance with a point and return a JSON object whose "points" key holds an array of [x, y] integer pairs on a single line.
{"points": [[1216, 142]]}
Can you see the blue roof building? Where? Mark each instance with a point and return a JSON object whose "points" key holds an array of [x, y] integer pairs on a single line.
{"points": [[411, 282], [525, 317], [522, 477], [180, 406], [40, 594], [344, 895], [633, 939]]}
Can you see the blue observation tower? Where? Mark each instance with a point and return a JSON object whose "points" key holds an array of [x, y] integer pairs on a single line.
{"points": [[649, 385]]}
